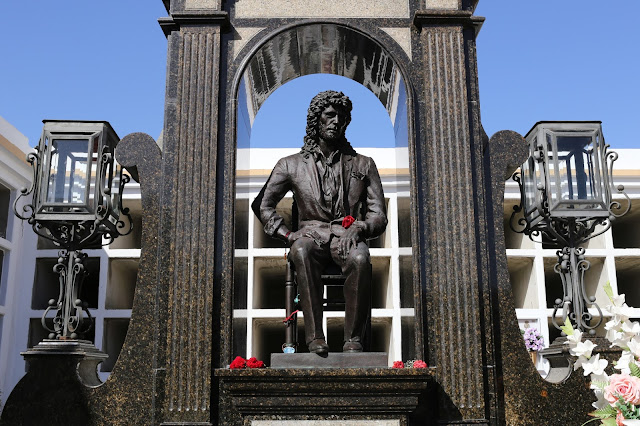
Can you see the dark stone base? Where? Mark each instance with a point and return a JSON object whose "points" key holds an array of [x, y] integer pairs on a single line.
{"points": [[331, 360], [407, 395], [55, 389]]}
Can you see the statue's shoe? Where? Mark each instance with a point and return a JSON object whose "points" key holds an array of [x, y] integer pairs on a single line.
{"points": [[352, 346], [318, 346]]}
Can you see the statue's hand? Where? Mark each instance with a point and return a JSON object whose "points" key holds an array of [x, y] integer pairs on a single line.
{"points": [[293, 236], [349, 240]]}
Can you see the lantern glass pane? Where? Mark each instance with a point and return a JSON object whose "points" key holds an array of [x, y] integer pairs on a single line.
{"points": [[95, 159], [69, 172], [529, 182], [577, 172], [552, 174]]}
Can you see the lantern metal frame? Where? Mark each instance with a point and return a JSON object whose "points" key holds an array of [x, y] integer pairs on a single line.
{"points": [[75, 226], [568, 228]]}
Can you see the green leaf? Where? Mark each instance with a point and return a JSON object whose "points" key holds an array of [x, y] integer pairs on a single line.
{"points": [[589, 421], [628, 410], [635, 370], [567, 327], [599, 385], [604, 412], [608, 290], [611, 421]]}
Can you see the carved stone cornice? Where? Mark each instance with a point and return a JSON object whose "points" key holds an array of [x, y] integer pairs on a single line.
{"points": [[429, 17], [179, 19]]}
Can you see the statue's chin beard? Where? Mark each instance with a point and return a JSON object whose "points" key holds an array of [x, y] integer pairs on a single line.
{"points": [[331, 136]]}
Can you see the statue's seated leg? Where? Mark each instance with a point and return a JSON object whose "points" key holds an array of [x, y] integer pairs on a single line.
{"points": [[309, 259], [357, 293]]}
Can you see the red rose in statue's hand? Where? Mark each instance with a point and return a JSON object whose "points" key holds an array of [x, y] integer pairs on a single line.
{"points": [[239, 362], [398, 364], [254, 363], [348, 221], [419, 364]]}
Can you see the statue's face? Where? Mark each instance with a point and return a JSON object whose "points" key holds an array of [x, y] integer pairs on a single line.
{"points": [[332, 124]]}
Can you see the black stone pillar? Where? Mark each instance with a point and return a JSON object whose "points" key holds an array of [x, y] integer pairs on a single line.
{"points": [[450, 156], [189, 214]]}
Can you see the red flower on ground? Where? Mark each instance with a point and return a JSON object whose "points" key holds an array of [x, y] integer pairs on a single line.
{"points": [[398, 364], [254, 363], [419, 364], [348, 221], [239, 362]]}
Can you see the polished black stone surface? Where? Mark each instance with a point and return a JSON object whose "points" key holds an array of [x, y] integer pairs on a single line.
{"points": [[334, 394], [331, 360]]}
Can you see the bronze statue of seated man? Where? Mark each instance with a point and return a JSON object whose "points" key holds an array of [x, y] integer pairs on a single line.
{"points": [[331, 184]]}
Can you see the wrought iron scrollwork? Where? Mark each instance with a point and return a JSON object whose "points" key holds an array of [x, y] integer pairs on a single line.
{"points": [[571, 267], [69, 322], [33, 158], [615, 208]]}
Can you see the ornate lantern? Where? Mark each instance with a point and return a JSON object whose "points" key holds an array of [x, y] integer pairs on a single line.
{"points": [[76, 184], [566, 192], [77, 201]]}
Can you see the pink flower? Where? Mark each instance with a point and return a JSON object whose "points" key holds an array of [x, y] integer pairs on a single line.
{"points": [[347, 221], [239, 362], [254, 363], [419, 364], [625, 386], [398, 364]]}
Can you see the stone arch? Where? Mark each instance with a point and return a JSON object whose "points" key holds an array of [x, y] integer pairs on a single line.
{"points": [[344, 50]]}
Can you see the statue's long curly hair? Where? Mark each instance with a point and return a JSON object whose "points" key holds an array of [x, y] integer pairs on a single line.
{"points": [[319, 103]]}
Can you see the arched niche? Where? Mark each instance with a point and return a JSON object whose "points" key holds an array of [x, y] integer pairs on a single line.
{"points": [[322, 48], [333, 49]]}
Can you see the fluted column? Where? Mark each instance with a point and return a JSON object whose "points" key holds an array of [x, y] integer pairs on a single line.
{"points": [[453, 199], [191, 147]]}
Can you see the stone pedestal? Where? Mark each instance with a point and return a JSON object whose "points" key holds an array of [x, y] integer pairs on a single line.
{"points": [[261, 395], [60, 373], [331, 360]]}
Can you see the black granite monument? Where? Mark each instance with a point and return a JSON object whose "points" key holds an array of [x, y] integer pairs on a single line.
{"points": [[173, 366]]}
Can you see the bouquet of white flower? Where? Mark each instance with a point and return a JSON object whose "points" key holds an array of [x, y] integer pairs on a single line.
{"points": [[619, 394]]}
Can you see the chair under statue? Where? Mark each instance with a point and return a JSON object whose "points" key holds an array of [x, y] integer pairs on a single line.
{"points": [[333, 299]]}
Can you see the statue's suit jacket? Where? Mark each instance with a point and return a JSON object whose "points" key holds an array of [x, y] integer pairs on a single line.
{"points": [[362, 196]]}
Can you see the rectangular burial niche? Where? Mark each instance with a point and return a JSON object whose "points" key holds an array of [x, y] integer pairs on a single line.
{"points": [[3, 288], [625, 230], [121, 283], [5, 209], [628, 277], [523, 282]]}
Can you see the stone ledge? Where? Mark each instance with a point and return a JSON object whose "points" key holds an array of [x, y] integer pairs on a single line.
{"points": [[325, 393], [331, 360]]}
